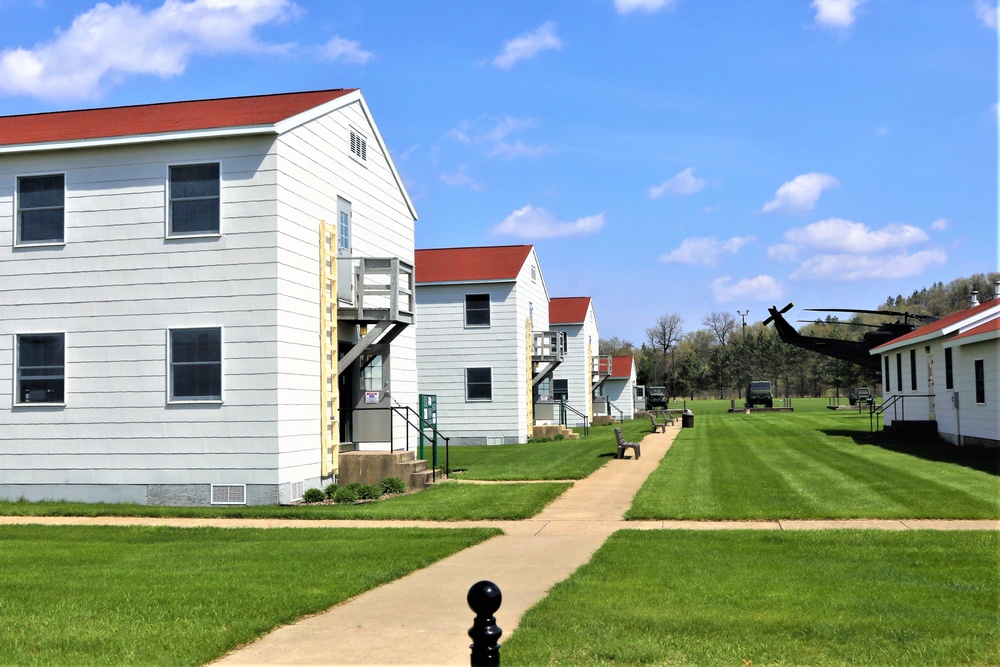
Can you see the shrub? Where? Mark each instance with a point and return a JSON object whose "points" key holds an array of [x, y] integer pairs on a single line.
{"points": [[313, 496], [345, 494], [329, 490], [369, 492], [392, 485]]}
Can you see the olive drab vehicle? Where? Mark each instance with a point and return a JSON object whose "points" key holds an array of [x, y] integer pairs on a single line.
{"points": [[656, 397]]}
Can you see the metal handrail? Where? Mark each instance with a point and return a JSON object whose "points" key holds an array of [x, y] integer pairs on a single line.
{"points": [[402, 411], [879, 410], [621, 413], [562, 416]]}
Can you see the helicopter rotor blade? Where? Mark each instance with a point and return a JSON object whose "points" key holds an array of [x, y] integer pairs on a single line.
{"points": [[891, 313], [853, 324]]}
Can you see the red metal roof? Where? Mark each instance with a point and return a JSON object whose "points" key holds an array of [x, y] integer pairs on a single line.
{"points": [[439, 265], [621, 367], [568, 309], [160, 118], [987, 327], [938, 325]]}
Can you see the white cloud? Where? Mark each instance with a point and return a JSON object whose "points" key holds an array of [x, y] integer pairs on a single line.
{"points": [[986, 12], [537, 223], [528, 46], [344, 50], [869, 267], [783, 252], [108, 43], [845, 236], [940, 224], [648, 6], [801, 193], [704, 250], [494, 138], [760, 288], [836, 13], [684, 183], [462, 179]]}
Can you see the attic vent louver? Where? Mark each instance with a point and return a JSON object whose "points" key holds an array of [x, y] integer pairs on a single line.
{"points": [[359, 145], [229, 494]]}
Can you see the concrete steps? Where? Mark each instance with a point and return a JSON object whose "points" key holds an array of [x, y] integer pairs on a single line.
{"points": [[373, 467], [553, 430]]}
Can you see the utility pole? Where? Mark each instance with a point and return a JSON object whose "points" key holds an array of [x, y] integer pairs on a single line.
{"points": [[746, 367]]}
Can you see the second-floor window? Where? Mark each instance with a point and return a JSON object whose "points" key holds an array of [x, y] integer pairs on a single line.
{"points": [[194, 200], [560, 390], [41, 209], [477, 310]]}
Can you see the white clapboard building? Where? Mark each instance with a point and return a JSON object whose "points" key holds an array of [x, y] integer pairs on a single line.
{"points": [[200, 300], [946, 375], [583, 370], [617, 394], [483, 344]]}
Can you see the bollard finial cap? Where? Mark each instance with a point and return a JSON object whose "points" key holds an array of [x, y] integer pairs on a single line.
{"points": [[484, 598]]}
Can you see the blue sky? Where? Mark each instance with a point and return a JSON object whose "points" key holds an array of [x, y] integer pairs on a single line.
{"points": [[664, 156]]}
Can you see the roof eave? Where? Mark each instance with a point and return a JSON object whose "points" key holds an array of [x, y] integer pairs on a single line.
{"points": [[132, 139], [484, 281]]}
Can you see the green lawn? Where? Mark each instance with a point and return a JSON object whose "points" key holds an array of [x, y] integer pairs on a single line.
{"points": [[813, 463], [89, 595], [772, 598], [561, 459], [442, 502]]}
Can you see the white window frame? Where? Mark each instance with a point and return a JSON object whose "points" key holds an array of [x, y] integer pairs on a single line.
{"points": [[489, 311], [18, 243], [345, 220], [17, 373], [171, 399], [976, 365], [478, 400], [169, 232]]}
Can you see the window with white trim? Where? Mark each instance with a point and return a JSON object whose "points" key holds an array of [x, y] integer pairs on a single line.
{"points": [[343, 227], [41, 209], [949, 374], [479, 384], [41, 368], [980, 371], [194, 208], [477, 310], [196, 364], [560, 390]]}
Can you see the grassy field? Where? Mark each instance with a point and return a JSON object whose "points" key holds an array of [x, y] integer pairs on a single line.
{"points": [[443, 502], [87, 595], [813, 463], [772, 598], [561, 459]]}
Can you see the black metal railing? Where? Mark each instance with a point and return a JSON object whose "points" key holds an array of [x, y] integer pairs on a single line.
{"points": [[565, 408], [404, 411], [898, 405]]}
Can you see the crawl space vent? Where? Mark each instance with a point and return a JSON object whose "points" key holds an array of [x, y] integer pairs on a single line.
{"points": [[229, 494], [298, 488]]}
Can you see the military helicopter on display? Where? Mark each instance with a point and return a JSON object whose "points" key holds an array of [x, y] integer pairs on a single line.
{"points": [[854, 351]]}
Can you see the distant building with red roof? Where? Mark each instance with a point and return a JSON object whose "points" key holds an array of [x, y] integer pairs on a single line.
{"points": [[481, 348], [183, 291], [620, 389], [946, 374], [583, 370]]}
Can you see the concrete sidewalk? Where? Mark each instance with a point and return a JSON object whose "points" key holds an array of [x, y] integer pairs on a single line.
{"points": [[423, 617]]}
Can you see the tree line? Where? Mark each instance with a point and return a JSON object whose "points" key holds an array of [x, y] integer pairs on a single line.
{"points": [[719, 359]]}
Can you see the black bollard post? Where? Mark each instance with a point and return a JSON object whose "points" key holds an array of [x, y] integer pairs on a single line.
{"points": [[484, 598]]}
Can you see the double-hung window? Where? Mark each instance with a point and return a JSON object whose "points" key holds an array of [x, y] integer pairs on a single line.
{"points": [[479, 384], [195, 364], [980, 376], [41, 368], [194, 200], [41, 209], [949, 376], [477, 310], [560, 390]]}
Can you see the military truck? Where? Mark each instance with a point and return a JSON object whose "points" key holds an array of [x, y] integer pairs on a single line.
{"points": [[759, 393], [656, 397], [860, 395]]}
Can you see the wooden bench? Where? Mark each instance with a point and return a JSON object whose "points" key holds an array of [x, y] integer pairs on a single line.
{"points": [[624, 444]]}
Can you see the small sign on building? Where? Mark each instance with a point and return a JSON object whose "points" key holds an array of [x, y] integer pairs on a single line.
{"points": [[372, 396]]}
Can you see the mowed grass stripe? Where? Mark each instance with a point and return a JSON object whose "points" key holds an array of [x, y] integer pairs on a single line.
{"points": [[772, 598], [805, 466], [98, 595]]}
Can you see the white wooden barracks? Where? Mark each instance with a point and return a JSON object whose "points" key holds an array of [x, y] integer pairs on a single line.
{"points": [[160, 296]]}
